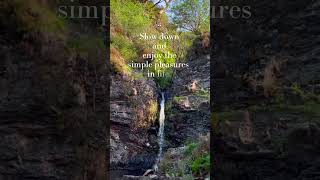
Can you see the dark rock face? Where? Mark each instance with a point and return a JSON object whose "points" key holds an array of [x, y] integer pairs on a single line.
{"points": [[188, 114], [52, 110], [280, 35], [266, 76], [134, 110], [267, 145], [53, 102]]}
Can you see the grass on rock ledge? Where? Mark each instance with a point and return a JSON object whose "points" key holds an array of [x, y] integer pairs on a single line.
{"points": [[189, 162]]}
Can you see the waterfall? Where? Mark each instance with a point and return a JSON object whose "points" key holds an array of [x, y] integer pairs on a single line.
{"points": [[161, 130], [161, 123]]}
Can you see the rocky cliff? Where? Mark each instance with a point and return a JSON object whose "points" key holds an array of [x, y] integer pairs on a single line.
{"points": [[188, 114], [266, 93], [53, 106], [133, 138], [187, 123]]}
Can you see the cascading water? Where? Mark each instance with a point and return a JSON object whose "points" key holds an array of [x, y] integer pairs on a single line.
{"points": [[161, 130]]}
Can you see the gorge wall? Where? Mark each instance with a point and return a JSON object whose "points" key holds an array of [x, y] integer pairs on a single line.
{"points": [[187, 123], [135, 111], [53, 106], [266, 93], [188, 114], [133, 137]]}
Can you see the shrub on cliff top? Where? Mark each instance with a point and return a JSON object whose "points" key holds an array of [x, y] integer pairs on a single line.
{"points": [[31, 15], [129, 16], [125, 46]]}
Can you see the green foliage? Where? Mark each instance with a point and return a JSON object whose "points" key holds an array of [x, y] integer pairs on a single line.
{"points": [[298, 91], [203, 93], [295, 99], [305, 96], [32, 16], [165, 81], [183, 46], [177, 99], [90, 47], [86, 43], [138, 75], [311, 109], [131, 16], [191, 15], [168, 108], [194, 161], [128, 20], [201, 164], [125, 46], [119, 63], [190, 148]]}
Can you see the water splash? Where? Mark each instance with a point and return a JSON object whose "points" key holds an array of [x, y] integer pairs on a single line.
{"points": [[161, 131]]}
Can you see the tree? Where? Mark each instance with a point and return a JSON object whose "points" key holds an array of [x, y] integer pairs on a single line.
{"points": [[191, 15]]}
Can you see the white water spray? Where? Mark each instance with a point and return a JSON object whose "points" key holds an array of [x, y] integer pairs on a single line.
{"points": [[161, 130]]}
